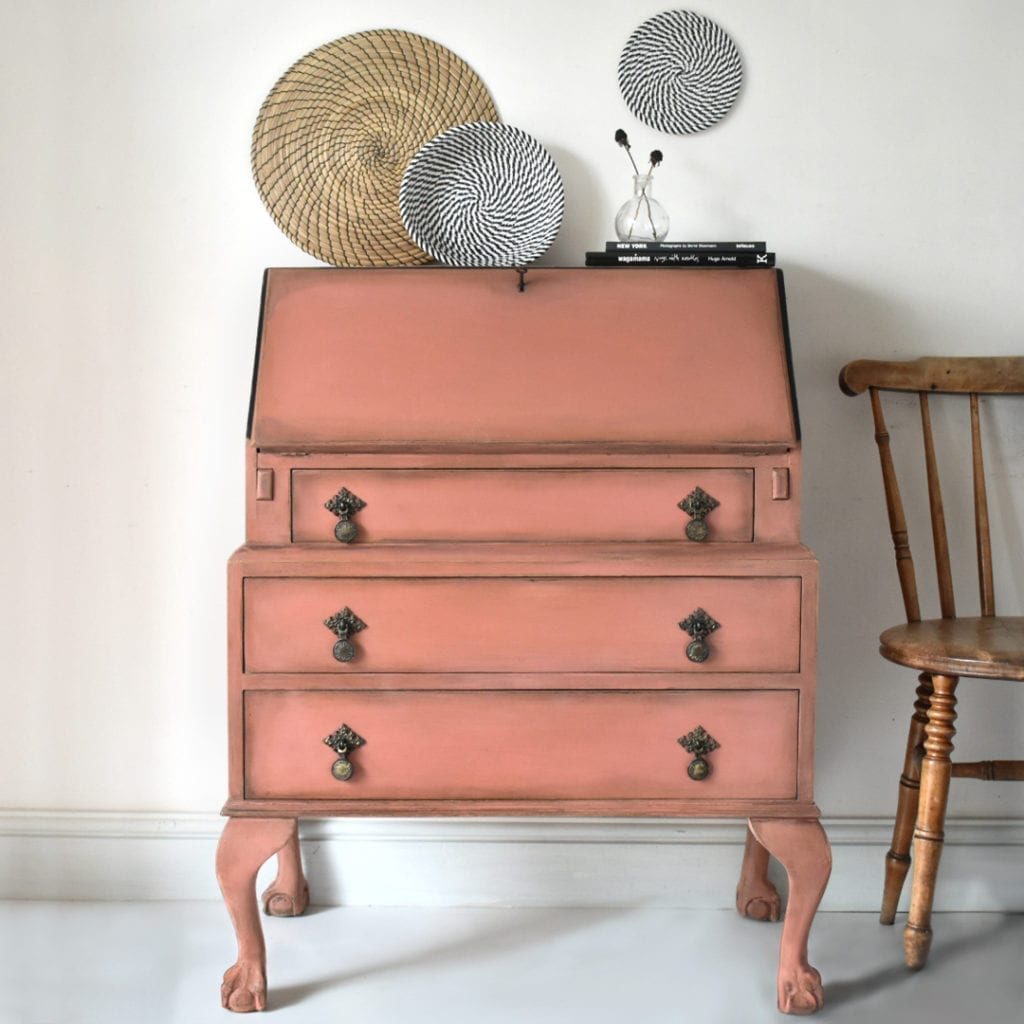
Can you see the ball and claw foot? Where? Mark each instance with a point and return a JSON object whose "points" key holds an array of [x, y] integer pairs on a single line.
{"points": [[280, 902], [244, 988], [800, 991], [759, 901]]}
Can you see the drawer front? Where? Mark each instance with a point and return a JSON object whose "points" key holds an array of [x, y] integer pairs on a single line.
{"points": [[519, 745], [517, 625], [521, 504]]}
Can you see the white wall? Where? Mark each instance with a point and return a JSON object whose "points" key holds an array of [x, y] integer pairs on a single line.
{"points": [[876, 145]]}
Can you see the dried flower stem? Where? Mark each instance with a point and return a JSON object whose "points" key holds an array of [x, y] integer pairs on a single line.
{"points": [[623, 140]]}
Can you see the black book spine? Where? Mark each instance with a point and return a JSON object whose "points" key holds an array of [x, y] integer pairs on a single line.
{"points": [[680, 259], [686, 246]]}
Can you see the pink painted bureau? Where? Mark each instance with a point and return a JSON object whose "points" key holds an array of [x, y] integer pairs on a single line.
{"points": [[522, 552]]}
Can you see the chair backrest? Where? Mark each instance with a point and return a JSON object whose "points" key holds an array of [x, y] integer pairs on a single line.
{"points": [[927, 376]]}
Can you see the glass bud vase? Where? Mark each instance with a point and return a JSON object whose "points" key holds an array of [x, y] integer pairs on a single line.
{"points": [[641, 218]]}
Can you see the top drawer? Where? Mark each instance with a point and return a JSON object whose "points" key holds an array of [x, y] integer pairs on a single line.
{"points": [[518, 505]]}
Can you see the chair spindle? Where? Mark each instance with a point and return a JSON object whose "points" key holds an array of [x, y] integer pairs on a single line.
{"points": [[897, 519], [981, 529], [947, 604]]}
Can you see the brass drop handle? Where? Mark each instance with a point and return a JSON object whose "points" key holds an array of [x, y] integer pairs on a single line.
{"points": [[700, 626], [341, 624], [341, 741], [698, 743], [344, 505], [697, 504]]}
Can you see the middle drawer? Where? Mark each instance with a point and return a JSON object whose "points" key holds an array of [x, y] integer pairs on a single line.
{"points": [[514, 625]]}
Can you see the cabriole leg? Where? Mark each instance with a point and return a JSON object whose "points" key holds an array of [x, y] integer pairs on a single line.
{"points": [[244, 845], [288, 894], [929, 834], [800, 845], [756, 897], [897, 860]]}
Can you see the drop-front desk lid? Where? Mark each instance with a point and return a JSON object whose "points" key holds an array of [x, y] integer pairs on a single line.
{"points": [[363, 359]]}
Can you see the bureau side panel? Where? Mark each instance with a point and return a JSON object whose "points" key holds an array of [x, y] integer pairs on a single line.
{"points": [[236, 634], [809, 680]]}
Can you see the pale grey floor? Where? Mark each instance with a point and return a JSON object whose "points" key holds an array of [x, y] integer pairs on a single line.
{"points": [[65, 963]]}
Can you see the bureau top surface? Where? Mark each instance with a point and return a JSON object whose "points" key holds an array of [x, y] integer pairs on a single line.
{"points": [[354, 358]]}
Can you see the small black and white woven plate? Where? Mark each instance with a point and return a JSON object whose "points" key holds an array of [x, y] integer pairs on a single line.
{"points": [[482, 194], [680, 72]]}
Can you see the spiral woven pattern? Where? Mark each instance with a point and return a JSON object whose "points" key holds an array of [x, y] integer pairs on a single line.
{"points": [[680, 72], [483, 195], [337, 131]]}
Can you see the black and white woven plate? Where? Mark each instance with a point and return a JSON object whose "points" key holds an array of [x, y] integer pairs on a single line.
{"points": [[680, 72], [482, 194]]}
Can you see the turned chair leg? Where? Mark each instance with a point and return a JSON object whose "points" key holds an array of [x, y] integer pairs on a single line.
{"points": [[936, 771], [244, 845], [756, 897], [288, 894], [800, 845], [897, 860]]}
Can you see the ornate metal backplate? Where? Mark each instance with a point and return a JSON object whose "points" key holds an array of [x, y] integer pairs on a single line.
{"points": [[344, 505], [341, 624], [697, 504], [699, 625], [341, 741], [699, 743]]}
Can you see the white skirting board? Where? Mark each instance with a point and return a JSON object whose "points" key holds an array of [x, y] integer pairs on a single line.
{"points": [[484, 862]]}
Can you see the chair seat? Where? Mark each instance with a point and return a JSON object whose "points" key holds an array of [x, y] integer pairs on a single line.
{"points": [[989, 648]]}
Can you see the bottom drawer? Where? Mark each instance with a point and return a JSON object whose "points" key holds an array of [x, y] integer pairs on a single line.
{"points": [[502, 745]]}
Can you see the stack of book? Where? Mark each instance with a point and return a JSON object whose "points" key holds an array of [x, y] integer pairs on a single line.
{"points": [[682, 254]]}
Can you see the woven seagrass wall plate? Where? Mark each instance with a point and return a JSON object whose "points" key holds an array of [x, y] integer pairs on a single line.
{"points": [[336, 132], [483, 194], [680, 72]]}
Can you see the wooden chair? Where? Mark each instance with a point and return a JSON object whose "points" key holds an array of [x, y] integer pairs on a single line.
{"points": [[943, 650]]}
